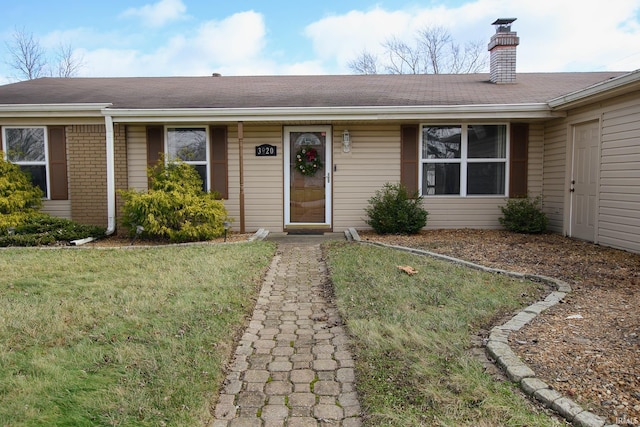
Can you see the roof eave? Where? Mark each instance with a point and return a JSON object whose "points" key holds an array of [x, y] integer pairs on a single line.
{"points": [[52, 110], [387, 113], [597, 92]]}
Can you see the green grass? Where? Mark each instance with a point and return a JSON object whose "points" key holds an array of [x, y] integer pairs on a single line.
{"points": [[121, 337], [411, 338]]}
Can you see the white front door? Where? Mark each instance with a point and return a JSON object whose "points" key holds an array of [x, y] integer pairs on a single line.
{"points": [[584, 180], [307, 176]]}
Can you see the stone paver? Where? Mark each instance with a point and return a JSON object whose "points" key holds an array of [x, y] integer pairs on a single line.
{"points": [[292, 366]]}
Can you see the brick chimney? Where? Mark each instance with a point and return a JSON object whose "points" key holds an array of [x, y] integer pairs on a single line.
{"points": [[502, 51]]}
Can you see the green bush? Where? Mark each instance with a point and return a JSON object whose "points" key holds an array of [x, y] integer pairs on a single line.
{"points": [[19, 198], [175, 207], [524, 215], [43, 229], [393, 211]]}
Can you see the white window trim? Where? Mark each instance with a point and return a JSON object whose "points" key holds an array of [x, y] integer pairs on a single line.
{"points": [[207, 162], [46, 153], [464, 160]]}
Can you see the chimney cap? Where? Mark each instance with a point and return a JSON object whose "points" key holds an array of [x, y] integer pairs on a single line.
{"points": [[503, 24]]}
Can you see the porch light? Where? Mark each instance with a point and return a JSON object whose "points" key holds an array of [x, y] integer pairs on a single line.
{"points": [[346, 141]]}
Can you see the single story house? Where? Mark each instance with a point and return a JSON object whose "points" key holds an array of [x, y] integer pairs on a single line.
{"points": [[291, 152]]}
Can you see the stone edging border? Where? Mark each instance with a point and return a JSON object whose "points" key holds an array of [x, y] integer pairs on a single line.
{"points": [[498, 343]]}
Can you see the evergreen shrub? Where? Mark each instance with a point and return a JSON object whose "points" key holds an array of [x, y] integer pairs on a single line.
{"points": [[524, 215], [393, 211], [175, 207]]}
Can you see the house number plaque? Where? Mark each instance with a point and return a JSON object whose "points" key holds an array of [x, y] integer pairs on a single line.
{"points": [[266, 150]]}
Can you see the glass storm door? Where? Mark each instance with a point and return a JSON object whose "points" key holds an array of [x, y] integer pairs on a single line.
{"points": [[307, 175]]}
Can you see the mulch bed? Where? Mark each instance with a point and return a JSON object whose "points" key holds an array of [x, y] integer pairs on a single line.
{"points": [[588, 346]]}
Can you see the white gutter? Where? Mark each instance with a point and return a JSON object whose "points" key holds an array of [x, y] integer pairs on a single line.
{"points": [[53, 110], [111, 176], [484, 111], [592, 93]]}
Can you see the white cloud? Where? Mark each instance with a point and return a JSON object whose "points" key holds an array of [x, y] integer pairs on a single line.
{"points": [[226, 46], [158, 14], [554, 35]]}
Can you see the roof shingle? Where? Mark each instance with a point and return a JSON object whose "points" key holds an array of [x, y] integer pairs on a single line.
{"points": [[299, 91]]}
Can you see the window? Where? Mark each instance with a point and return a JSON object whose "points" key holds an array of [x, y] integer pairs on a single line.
{"points": [[27, 147], [189, 144], [464, 160]]}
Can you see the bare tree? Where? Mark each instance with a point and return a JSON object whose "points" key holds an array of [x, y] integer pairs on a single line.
{"points": [[26, 56], [68, 64], [365, 63], [29, 60], [434, 52], [403, 59], [435, 44]]}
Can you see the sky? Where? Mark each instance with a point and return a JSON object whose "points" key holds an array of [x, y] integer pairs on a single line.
{"points": [[118, 38]]}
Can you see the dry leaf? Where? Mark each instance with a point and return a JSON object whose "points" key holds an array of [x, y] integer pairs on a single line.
{"points": [[408, 269]]}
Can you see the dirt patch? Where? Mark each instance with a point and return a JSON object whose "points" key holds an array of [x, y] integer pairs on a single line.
{"points": [[588, 346]]}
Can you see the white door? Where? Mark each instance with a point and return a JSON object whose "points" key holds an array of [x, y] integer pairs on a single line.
{"points": [[584, 181], [307, 176]]}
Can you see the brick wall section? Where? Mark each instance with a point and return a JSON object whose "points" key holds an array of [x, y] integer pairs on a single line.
{"points": [[88, 171], [502, 48], [122, 175]]}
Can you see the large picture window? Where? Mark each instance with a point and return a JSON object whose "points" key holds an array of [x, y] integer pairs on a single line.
{"points": [[464, 160], [189, 144], [27, 147]]}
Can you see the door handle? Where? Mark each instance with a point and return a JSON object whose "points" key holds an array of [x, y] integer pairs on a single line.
{"points": [[328, 176]]}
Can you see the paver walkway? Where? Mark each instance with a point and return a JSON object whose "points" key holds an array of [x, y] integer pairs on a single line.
{"points": [[292, 366]]}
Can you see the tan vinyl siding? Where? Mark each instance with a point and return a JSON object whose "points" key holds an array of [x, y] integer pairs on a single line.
{"points": [[374, 160], [58, 208], [619, 208], [536, 154], [554, 173], [137, 158], [463, 212], [263, 178]]}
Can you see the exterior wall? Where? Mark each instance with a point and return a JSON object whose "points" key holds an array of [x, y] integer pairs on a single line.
{"points": [[535, 162], [86, 146], [137, 158], [87, 173], [121, 167], [555, 161], [619, 202], [59, 208], [374, 159], [263, 179], [618, 205]]}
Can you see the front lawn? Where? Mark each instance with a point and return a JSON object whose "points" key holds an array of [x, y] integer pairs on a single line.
{"points": [[411, 337], [121, 337]]}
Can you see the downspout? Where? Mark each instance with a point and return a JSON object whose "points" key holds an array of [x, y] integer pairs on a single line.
{"points": [[111, 177]]}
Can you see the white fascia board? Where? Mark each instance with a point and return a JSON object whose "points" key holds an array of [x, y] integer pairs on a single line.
{"points": [[608, 88], [52, 110], [453, 112]]}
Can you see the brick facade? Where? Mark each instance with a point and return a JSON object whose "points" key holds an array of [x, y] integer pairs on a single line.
{"points": [[86, 146]]}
